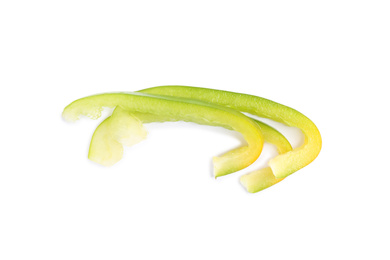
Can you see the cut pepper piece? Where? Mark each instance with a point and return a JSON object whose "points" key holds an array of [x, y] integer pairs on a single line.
{"points": [[121, 128], [257, 180], [177, 109], [115, 125], [282, 165]]}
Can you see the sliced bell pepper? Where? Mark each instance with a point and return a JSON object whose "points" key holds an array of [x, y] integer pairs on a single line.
{"points": [[125, 127], [282, 165], [176, 109]]}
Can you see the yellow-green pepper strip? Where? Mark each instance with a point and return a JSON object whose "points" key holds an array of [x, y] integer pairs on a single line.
{"points": [[257, 180], [178, 109], [282, 165], [125, 127]]}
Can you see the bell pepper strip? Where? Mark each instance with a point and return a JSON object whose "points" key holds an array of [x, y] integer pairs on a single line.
{"points": [[282, 165], [177, 109], [126, 125], [257, 180]]}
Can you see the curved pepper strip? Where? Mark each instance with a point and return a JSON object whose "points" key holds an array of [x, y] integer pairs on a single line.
{"points": [[282, 165], [257, 180], [125, 127], [184, 110]]}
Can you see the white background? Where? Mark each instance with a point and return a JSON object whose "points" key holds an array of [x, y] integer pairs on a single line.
{"points": [[328, 59]]}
